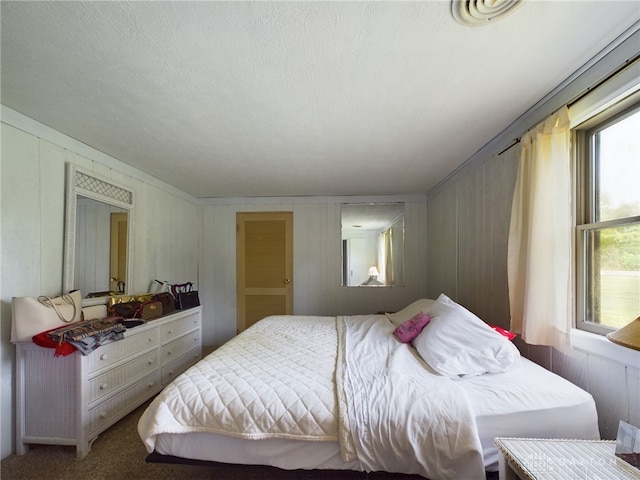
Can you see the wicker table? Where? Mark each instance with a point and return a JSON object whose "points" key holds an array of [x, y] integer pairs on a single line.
{"points": [[541, 459]]}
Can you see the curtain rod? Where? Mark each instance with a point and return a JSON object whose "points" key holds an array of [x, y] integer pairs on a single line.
{"points": [[512, 144]]}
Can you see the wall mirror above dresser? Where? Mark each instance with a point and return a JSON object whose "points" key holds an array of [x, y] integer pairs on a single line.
{"points": [[98, 236], [372, 244]]}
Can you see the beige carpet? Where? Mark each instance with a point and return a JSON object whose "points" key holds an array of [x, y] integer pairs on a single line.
{"points": [[118, 454]]}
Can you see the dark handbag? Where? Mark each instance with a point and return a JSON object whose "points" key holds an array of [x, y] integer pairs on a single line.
{"points": [[119, 299], [126, 309], [185, 295], [149, 310], [167, 300]]}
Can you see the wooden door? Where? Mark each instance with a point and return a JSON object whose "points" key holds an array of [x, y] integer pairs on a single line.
{"points": [[264, 258], [118, 252]]}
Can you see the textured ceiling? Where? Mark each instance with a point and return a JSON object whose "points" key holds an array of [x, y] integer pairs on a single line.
{"points": [[235, 99]]}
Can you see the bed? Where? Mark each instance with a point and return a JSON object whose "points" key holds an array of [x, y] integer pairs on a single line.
{"points": [[352, 393]]}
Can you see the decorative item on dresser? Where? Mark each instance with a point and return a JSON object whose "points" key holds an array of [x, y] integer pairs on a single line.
{"points": [[71, 400], [30, 315], [185, 295]]}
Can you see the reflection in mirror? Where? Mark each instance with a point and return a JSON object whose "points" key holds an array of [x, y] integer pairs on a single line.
{"points": [[98, 226], [373, 244], [100, 263]]}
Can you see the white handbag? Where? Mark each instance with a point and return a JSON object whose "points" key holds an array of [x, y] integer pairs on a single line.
{"points": [[158, 286], [30, 316]]}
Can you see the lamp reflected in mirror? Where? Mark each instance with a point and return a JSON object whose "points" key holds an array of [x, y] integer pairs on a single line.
{"points": [[374, 273]]}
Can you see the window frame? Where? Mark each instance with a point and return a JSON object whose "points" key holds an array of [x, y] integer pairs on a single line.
{"points": [[585, 195]]}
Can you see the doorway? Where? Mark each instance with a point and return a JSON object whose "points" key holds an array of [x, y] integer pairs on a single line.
{"points": [[264, 262]]}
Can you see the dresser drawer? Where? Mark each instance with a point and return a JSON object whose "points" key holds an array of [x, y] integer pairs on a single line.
{"points": [[110, 381], [120, 349], [178, 327], [180, 346], [172, 370], [117, 406]]}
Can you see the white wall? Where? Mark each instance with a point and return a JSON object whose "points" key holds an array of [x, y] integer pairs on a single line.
{"points": [[317, 260], [468, 221], [166, 231]]}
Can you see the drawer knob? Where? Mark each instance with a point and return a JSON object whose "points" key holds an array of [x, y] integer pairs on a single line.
{"points": [[169, 332], [103, 415], [103, 386], [168, 352], [150, 385], [150, 362], [103, 356]]}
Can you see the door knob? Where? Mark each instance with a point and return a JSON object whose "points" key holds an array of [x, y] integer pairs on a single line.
{"points": [[287, 281]]}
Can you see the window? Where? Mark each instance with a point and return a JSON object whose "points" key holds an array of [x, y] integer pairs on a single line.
{"points": [[608, 218]]}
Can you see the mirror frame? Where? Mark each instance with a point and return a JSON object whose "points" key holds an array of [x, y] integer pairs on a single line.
{"points": [[80, 182]]}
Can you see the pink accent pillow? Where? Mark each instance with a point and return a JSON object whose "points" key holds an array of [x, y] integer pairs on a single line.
{"points": [[412, 327], [505, 333]]}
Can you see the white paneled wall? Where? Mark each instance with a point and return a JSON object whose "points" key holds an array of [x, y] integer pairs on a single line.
{"points": [[468, 225], [317, 262], [166, 228]]}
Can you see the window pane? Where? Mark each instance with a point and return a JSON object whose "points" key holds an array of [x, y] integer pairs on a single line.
{"points": [[618, 167], [613, 266]]}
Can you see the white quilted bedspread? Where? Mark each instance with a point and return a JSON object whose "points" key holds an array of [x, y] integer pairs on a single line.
{"points": [[344, 379], [395, 414], [275, 380]]}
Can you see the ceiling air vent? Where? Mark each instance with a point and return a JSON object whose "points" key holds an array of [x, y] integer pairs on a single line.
{"points": [[475, 13]]}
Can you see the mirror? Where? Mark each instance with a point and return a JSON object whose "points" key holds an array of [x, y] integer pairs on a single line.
{"points": [[372, 244], [98, 226]]}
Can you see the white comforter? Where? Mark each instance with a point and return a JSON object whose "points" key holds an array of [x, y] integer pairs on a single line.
{"points": [[293, 377]]}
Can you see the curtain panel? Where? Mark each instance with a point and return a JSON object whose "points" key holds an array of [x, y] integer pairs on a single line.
{"points": [[540, 246]]}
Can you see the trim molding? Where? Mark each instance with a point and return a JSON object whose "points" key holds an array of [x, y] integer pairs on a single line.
{"points": [[419, 198]]}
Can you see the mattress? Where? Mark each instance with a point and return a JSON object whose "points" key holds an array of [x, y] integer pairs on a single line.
{"points": [[527, 401]]}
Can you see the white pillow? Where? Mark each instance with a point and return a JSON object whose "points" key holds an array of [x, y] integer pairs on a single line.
{"points": [[458, 344], [410, 311]]}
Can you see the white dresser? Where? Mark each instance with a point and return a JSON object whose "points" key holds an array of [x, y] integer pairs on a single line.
{"points": [[70, 400]]}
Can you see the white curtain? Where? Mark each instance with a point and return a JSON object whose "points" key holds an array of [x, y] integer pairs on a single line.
{"points": [[389, 261], [385, 257], [540, 247]]}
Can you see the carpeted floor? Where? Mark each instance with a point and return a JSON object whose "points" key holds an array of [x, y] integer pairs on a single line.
{"points": [[118, 454]]}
